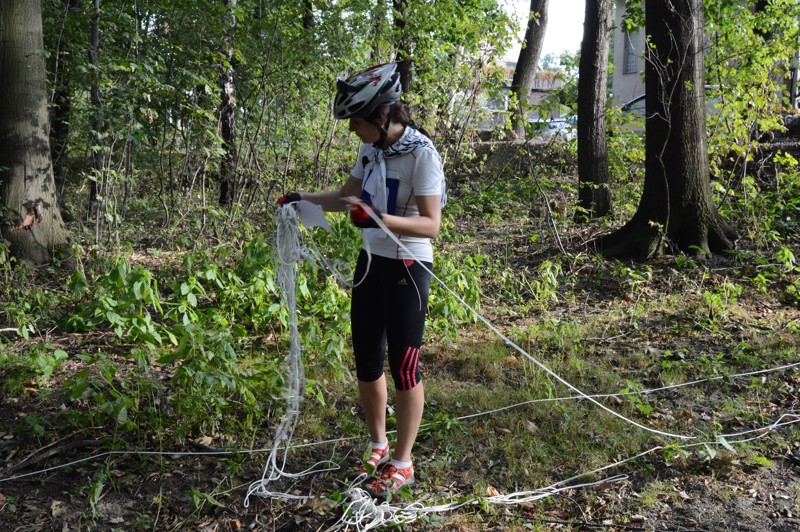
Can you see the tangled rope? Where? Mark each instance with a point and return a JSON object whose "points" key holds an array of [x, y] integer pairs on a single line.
{"points": [[361, 510], [289, 251]]}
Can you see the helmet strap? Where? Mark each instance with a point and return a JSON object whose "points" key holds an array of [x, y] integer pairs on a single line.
{"points": [[383, 131]]}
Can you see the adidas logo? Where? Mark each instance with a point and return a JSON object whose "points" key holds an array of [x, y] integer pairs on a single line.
{"points": [[402, 282]]}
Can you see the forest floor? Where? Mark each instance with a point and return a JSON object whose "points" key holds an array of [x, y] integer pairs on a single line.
{"points": [[657, 324]]}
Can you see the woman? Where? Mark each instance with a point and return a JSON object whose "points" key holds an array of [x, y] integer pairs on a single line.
{"points": [[398, 177]]}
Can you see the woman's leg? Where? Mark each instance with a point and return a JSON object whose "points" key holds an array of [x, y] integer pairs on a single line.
{"points": [[369, 340], [373, 400], [404, 327], [410, 404]]}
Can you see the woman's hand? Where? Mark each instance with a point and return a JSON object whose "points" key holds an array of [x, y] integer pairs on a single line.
{"points": [[360, 213], [289, 197], [425, 225]]}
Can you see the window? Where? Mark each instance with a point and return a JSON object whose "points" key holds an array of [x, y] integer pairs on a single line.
{"points": [[630, 61]]}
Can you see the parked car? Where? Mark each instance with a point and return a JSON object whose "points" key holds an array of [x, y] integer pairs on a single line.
{"points": [[636, 107], [546, 129]]}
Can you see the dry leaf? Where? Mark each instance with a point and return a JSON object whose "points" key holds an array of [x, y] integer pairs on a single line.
{"points": [[204, 440], [492, 491], [31, 217], [57, 509], [319, 505]]}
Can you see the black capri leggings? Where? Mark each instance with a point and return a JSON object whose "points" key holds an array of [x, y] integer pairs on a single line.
{"points": [[388, 310]]}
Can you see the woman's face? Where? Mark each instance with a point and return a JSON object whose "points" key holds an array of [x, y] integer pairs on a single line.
{"points": [[366, 131]]}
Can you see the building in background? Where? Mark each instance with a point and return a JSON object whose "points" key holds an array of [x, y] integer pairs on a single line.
{"points": [[628, 80]]}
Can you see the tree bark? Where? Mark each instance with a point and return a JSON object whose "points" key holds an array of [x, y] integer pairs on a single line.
{"points": [[32, 223], [403, 46], [594, 194], [525, 71], [676, 205], [228, 190]]}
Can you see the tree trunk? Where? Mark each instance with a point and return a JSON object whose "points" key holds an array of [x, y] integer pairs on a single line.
{"points": [[676, 204], [379, 22], [61, 68], [594, 194], [403, 46], [228, 190], [32, 222], [308, 15], [97, 185], [525, 71]]}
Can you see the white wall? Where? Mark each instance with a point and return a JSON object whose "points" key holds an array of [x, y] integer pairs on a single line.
{"points": [[626, 86]]}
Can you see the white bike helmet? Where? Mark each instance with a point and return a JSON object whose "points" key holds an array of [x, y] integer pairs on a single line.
{"points": [[362, 93]]}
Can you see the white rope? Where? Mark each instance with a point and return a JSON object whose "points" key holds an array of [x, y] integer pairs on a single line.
{"points": [[642, 392], [362, 511], [289, 251], [518, 348], [761, 431]]}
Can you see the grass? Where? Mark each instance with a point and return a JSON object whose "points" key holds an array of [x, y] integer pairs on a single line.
{"points": [[495, 422]]}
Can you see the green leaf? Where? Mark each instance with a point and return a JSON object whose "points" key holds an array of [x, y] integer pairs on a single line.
{"points": [[725, 444], [762, 460]]}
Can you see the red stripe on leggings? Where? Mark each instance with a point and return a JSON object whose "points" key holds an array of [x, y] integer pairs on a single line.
{"points": [[414, 368], [408, 373]]}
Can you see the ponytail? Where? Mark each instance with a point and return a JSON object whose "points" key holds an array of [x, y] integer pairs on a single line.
{"points": [[397, 112]]}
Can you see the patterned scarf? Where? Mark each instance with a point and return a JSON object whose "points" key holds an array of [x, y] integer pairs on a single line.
{"points": [[375, 167]]}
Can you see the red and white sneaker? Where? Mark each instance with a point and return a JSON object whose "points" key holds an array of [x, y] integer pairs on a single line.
{"points": [[373, 458], [390, 479]]}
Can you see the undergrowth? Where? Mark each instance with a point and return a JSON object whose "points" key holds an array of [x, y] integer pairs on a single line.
{"points": [[148, 348]]}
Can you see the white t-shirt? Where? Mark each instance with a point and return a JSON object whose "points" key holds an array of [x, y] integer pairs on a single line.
{"points": [[417, 173]]}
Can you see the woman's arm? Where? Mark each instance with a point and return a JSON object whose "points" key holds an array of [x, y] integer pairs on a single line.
{"points": [[333, 200], [426, 225]]}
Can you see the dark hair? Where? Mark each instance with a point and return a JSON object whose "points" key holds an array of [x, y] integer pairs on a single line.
{"points": [[397, 112]]}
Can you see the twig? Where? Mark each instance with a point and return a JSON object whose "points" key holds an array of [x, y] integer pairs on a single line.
{"points": [[34, 459]]}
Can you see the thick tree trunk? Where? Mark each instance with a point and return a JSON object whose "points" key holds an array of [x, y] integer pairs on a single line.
{"points": [[32, 222], [594, 194], [525, 71], [676, 205]]}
